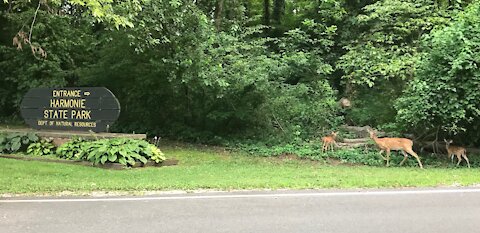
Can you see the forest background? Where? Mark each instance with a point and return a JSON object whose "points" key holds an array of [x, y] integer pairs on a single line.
{"points": [[254, 71]]}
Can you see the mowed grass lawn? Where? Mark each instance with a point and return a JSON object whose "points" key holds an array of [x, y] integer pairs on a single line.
{"points": [[206, 168]]}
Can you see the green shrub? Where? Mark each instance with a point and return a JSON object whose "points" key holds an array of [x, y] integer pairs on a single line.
{"points": [[357, 156], [71, 149], [125, 151], [313, 151], [444, 94], [156, 155], [15, 142], [41, 148]]}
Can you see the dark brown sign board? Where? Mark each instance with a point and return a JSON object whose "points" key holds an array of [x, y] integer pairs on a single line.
{"points": [[72, 108]]}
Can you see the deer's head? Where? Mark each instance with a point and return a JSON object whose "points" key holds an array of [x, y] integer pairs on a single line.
{"points": [[372, 133], [448, 142]]}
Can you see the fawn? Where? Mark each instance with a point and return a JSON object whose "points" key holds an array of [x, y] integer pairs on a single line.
{"points": [[401, 144], [329, 141], [457, 151]]}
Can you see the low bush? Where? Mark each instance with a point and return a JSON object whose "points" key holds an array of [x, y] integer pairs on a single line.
{"points": [[356, 156], [71, 149], [125, 151], [16, 142], [41, 148], [313, 151]]}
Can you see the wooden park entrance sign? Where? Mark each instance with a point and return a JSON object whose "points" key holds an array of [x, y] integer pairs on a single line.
{"points": [[75, 109]]}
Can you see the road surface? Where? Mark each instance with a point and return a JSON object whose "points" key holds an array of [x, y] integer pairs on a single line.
{"points": [[433, 210]]}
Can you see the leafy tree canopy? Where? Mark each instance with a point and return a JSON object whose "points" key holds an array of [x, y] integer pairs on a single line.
{"points": [[445, 93]]}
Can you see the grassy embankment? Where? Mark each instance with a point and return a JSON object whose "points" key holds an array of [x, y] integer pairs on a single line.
{"points": [[207, 168]]}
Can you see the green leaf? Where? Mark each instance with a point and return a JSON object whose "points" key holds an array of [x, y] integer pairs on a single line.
{"points": [[143, 159], [25, 141], [29, 150], [123, 153], [99, 154], [91, 155], [135, 155], [122, 161], [15, 145], [103, 159], [32, 137], [112, 157], [131, 161]]}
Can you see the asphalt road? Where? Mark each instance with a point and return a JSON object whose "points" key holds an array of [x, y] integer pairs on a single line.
{"points": [[390, 211]]}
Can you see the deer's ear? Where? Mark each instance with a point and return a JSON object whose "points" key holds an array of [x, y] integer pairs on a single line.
{"points": [[445, 140]]}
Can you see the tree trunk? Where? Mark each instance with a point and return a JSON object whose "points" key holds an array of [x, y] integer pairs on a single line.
{"points": [[218, 14], [278, 10], [266, 12]]}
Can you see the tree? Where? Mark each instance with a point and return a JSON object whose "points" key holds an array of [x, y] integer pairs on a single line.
{"points": [[68, 42], [382, 57], [444, 95], [116, 12]]}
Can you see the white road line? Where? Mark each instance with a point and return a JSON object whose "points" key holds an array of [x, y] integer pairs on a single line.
{"points": [[279, 195]]}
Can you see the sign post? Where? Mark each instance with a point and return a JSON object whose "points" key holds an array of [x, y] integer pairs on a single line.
{"points": [[74, 109]]}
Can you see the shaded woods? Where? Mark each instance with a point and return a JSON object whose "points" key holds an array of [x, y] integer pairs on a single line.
{"points": [[261, 70]]}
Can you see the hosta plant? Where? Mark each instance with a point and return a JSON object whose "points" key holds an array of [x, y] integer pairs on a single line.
{"points": [[41, 148], [71, 149], [12, 143], [125, 151]]}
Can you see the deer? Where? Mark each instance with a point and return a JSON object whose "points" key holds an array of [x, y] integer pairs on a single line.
{"points": [[329, 141], [457, 151], [396, 144]]}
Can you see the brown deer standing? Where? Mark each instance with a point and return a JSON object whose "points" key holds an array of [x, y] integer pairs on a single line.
{"points": [[329, 141], [401, 144], [457, 151]]}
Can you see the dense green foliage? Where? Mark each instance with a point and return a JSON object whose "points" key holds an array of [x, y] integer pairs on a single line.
{"points": [[71, 149], [445, 92], [251, 70], [40, 148], [127, 152], [67, 42], [313, 151], [16, 142]]}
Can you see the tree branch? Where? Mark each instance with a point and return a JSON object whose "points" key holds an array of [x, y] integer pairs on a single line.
{"points": [[33, 22]]}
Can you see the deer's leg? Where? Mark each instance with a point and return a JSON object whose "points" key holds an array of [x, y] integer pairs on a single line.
{"points": [[451, 157], [388, 157], [405, 156], [381, 151], [335, 144], [466, 159], [323, 147], [459, 158], [410, 151]]}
